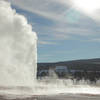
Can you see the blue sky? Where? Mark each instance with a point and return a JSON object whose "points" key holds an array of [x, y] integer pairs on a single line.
{"points": [[64, 33]]}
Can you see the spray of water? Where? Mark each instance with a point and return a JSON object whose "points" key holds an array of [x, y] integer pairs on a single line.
{"points": [[17, 48]]}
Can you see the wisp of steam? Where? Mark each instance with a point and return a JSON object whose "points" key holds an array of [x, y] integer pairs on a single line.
{"points": [[18, 58]]}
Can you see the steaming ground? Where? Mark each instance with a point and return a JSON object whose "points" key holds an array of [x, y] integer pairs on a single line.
{"points": [[54, 91], [66, 87], [53, 87]]}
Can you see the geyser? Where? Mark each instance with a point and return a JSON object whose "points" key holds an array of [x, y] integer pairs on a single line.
{"points": [[18, 58], [18, 49]]}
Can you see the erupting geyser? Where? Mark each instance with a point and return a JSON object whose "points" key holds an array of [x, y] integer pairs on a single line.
{"points": [[18, 51], [18, 60]]}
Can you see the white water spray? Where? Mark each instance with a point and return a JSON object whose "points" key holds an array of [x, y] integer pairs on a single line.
{"points": [[18, 51]]}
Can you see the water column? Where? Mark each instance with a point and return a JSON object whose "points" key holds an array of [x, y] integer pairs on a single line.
{"points": [[18, 49]]}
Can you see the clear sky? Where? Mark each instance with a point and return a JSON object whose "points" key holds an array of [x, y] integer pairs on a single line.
{"points": [[65, 31]]}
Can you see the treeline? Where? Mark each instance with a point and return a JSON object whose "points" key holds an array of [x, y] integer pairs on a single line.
{"points": [[83, 69]]}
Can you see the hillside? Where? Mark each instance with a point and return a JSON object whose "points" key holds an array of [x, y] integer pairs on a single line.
{"points": [[85, 64]]}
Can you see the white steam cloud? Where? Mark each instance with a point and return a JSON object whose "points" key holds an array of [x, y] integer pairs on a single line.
{"points": [[17, 48]]}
